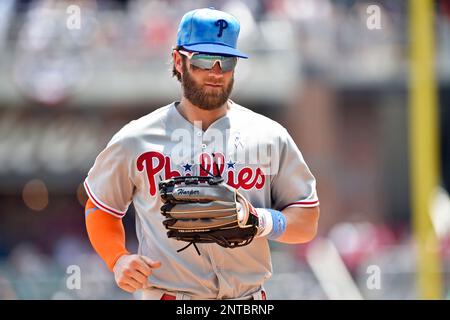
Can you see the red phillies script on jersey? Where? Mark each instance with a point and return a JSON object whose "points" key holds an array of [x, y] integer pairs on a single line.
{"points": [[155, 163]]}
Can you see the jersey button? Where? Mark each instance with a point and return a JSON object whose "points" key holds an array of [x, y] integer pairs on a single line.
{"points": [[199, 134], [203, 146]]}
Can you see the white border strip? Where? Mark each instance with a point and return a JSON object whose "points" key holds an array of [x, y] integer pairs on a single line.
{"points": [[101, 205]]}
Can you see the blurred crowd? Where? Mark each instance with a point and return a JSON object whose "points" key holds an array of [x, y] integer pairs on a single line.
{"points": [[47, 58], [29, 273]]}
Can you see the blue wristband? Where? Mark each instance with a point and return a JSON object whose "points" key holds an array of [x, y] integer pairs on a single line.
{"points": [[279, 224]]}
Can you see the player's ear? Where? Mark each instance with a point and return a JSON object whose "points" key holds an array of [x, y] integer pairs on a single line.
{"points": [[177, 61]]}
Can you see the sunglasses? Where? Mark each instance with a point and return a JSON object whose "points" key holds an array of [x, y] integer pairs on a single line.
{"points": [[206, 61]]}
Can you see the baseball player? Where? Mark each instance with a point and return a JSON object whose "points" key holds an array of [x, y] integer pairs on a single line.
{"points": [[203, 134]]}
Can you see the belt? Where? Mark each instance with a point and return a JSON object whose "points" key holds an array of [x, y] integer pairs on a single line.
{"points": [[167, 296]]}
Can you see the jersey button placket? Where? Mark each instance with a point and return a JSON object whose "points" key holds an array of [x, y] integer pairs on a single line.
{"points": [[203, 144], [216, 268], [199, 141]]}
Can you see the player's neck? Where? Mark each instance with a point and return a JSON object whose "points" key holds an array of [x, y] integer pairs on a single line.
{"points": [[193, 113]]}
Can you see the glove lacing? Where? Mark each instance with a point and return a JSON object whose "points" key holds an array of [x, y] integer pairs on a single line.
{"points": [[222, 241], [189, 244]]}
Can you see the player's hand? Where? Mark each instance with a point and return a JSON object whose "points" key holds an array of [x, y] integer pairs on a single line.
{"points": [[131, 271]]}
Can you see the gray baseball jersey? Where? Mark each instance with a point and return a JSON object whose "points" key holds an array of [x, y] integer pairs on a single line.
{"points": [[253, 153]]}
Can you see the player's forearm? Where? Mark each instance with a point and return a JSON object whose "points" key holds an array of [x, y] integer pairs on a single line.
{"points": [[301, 224], [106, 233]]}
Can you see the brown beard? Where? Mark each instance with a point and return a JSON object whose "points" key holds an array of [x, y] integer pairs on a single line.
{"points": [[199, 97]]}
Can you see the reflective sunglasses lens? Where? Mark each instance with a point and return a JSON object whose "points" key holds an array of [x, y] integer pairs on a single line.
{"points": [[207, 62], [229, 64], [203, 64]]}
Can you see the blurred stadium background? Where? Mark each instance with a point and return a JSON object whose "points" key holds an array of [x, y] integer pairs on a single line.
{"points": [[340, 89]]}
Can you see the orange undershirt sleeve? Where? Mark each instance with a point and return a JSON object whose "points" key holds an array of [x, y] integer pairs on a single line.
{"points": [[106, 233]]}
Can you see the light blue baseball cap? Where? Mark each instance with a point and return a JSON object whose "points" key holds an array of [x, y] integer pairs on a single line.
{"points": [[209, 30]]}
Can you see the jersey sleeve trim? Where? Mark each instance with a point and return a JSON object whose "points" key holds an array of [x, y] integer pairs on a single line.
{"points": [[102, 205], [303, 204]]}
